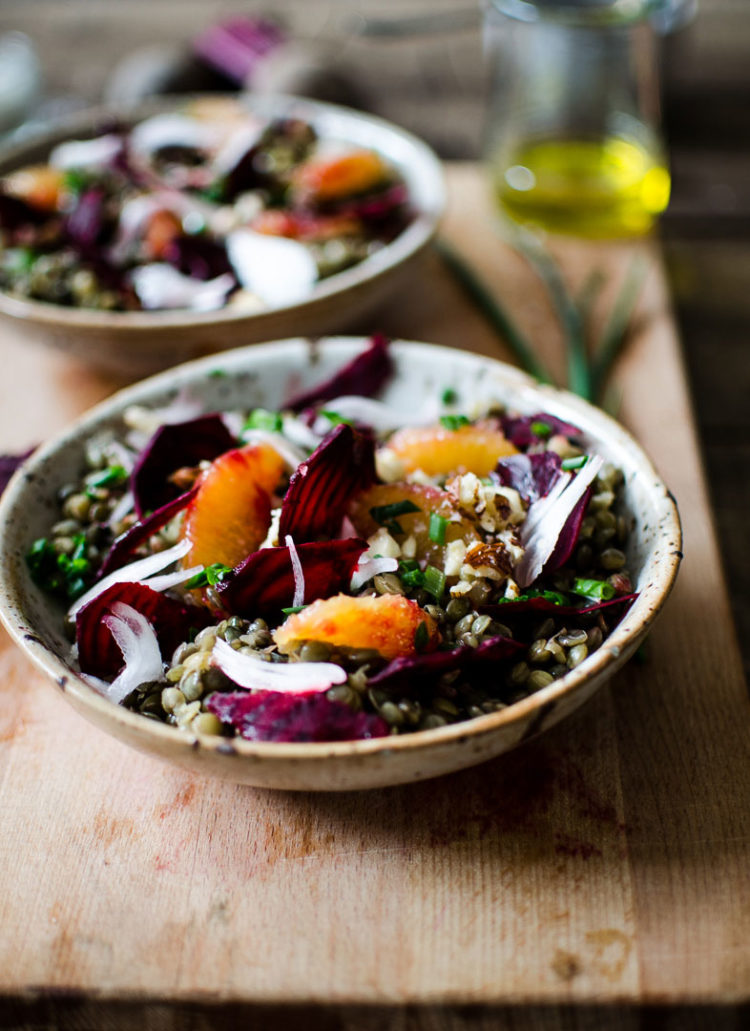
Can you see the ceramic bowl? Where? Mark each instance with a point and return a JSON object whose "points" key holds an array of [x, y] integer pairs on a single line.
{"points": [[259, 376], [134, 344]]}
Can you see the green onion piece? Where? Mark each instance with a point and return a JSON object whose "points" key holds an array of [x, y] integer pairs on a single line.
{"points": [[541, 429], [421, 637], [438, 524], [293, 610], [454, 422], [112, 476], [568, 464], [383, 514], [594, 590], [434, 582], [334, 418], [261, 419], [210, 576], [449, 396]]}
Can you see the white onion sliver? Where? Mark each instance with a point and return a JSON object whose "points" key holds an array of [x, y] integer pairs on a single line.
{"points": [[288, 677], [137, 640], [291, 455], [280, 271], [96, 153], [547, 517], [300, 433], [167, 580], [370, 567], [123, 507], [299, 576], [133, 573], [160, 286], [380, 416], [171, 130]]}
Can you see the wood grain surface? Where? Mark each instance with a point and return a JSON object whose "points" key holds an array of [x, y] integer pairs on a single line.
{"points": [[604, 863]]}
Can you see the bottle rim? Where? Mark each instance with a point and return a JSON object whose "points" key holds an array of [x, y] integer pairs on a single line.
{"points": [[579, 13]]}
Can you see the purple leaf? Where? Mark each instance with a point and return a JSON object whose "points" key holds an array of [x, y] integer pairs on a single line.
{"points": [[321, 487], [97, 652], [271, 716], [402, 673], [234, 47], [531, 475], [364, 375], [9, 464], [85, 223], [519, 432], [127, 542], [263, 583], [568, 538], [199, 257], [175, 446]]}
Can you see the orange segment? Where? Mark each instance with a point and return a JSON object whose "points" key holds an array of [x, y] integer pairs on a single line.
{"points": [[40, 185], [230, 515], [162, 228], [344, 176], [388, 624], [438, 451], [427, 500]]}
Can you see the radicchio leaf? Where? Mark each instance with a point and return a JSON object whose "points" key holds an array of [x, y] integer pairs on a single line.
{"points": [[8, 465], [531, 475], [320, 489], [270, 716], [263, 583], [175, 446], [127, 542], [402, 673], [365, 375], [518, 429], [569, 534], [97, 652]]}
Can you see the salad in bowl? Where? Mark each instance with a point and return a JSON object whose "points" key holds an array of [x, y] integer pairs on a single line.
{"points": [[337, 566]]}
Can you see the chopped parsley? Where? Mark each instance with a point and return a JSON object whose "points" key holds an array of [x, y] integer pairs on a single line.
{"points": [[449, 396], [209, 577], [112, 476], [556, 597], [334, 418], [262, 419], [454, 422], [541, 429], [68, 575]]}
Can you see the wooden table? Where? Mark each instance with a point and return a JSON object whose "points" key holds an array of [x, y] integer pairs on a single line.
{"points": [[605, 863]]}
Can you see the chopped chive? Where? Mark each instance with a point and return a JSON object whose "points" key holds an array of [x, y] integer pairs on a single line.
{"points": [[292, 610], [454, 422], [421, 637], [594, 590], [438, 524], [434, 582], [112, 476], [568, 464], [261, 419], [383, 514], [541, 429], [449, 396], [334, 418]]}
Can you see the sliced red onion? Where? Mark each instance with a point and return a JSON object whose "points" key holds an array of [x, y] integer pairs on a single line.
{"points": [[547, 517], [135, 572], [173, 130], [370, 567], [137, 640], [285, 677], [160, 286], [376, 414], [297, 572], [96, 153], [292, 456], [278, 270], [123, 507]]}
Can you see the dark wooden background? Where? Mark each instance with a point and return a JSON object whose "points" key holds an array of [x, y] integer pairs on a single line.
{"points": [[429, 77]]}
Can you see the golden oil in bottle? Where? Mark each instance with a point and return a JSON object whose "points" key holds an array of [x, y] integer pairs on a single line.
{"points": [[605, 188]]}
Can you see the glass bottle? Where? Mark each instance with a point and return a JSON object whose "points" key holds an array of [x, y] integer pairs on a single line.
{"points": [[573, 138]]}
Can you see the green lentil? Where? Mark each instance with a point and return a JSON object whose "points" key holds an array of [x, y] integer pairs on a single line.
{"points": [[612, 559], [207, 723], [538, 679], [576, 655]]}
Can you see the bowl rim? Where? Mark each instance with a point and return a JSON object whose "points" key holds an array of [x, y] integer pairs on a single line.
{"points": [[621, 643], [409, 242]]}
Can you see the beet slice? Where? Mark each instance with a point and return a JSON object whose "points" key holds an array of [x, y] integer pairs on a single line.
{"points": [[531, 475], [321, 487], [518, 429], [404, 672], [271, 716], [263, 583], [365, 375], [127, 542], [97, 652], [199, 257], [174, 446]]}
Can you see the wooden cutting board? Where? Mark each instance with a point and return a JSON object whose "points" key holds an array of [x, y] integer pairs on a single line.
{"points": [[605, 862]]}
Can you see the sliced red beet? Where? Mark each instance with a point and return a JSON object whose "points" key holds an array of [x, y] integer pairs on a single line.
{"points": [[531, 475], [519, 431], [97, 652], [172, 447], [271, 716], [364, 375], [199, 257], [402, 673], [127, 542], [264, 583], [321, 487]]}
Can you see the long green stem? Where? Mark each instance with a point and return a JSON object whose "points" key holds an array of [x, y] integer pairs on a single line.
{"points": [[615, 330], [498, 318]]}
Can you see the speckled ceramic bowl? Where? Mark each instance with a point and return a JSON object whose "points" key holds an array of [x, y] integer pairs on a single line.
{"points": [[141, 342], [259, 376]]}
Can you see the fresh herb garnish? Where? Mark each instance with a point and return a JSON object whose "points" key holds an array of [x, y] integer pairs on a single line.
{"points": [[292, 610], [430, 579], [112, 476], [556, 597], [209, 577], [386, 515], [569, 464], [334, 418], [218, 374], [541, 429], [449, 396], [594, 590], [57, 572], [76, 180], [421, 637], [262, 419], [454, 422], [438, 524]]}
